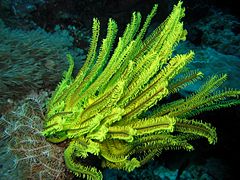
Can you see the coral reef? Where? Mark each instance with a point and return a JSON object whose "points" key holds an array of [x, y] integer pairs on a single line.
{"points": [[121, 110], [25, 152], [219, 31]]}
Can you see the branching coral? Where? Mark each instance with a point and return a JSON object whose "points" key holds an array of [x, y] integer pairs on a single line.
{"points": [[109, 110]]}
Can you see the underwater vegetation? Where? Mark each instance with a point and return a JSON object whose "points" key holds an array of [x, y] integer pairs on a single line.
{"points": [[112, 109]]}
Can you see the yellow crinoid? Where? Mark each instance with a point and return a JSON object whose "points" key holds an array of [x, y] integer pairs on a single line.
{"points": [[109, 109]]}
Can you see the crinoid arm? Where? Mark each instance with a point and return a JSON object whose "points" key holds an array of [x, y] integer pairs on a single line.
{"points": [[79, 149]]}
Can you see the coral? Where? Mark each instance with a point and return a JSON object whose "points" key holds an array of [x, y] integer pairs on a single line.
{"points": [[209, 61], [24, 149], [117, 107], [219, 31], [30, 60]]}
